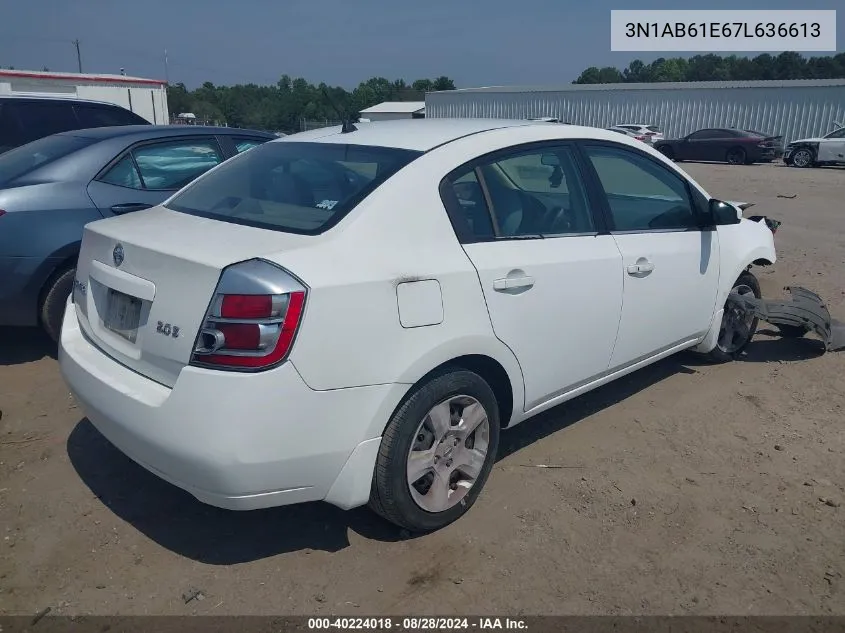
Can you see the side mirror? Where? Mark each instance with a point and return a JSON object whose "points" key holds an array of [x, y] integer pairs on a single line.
{"points": [[722, 213], [550, 160]]}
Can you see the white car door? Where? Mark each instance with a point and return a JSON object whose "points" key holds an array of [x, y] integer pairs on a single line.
{"points": [[552, 284], [670, 265], [832, 147]]}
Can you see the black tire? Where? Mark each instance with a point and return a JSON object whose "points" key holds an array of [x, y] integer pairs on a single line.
{"points": [[56, 292], [736, 156], [391, 496], [806, 159], [724, 355], [791, 331], [667, 151]]}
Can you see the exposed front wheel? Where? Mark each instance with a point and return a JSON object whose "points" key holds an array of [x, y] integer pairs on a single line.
{"points": [[738, 323], [437, 452], [803, 158]]}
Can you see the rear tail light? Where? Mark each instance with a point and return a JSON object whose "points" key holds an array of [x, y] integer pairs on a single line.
{"points": [[252, 319], [2, 213], [641, 138]]}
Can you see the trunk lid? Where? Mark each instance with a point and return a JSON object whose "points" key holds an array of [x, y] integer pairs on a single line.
{"points": [[144, 282]]}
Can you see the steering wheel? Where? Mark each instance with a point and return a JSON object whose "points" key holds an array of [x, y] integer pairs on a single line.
{"points": [[558, 220]]}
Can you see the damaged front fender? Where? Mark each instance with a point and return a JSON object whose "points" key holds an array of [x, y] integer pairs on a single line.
{"points": [[805, 310]]}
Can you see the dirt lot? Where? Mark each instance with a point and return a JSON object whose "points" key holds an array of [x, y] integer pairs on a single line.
{"points": [[686, 488]]}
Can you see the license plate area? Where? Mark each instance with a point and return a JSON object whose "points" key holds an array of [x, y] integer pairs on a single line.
{"points": [[123, 314]]}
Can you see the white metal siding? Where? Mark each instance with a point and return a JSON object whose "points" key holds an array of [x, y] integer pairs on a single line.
{"points": [[794, 112], [149, 102]]}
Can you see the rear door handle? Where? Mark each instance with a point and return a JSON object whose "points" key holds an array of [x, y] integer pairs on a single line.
{"points": [[129, 207], [640, 268], [511, 283]]}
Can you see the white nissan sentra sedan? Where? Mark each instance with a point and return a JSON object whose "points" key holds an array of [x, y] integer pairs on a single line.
{"points": [[354, 315]]}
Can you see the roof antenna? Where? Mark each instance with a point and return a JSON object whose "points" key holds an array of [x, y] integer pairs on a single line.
{"points": [[347, 124]]}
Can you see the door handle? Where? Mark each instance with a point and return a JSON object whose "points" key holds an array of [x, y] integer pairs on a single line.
{"points": [[118, 209], [512, 283], [642, 267]]}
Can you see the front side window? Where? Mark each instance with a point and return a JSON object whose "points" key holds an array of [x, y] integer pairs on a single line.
{"points": [[174, 164], [297, 187], [641, 194], [705, 134]]}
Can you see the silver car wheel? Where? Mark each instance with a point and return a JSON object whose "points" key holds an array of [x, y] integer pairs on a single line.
{"points": [[448, 453], [737, 322], [802, 158]]}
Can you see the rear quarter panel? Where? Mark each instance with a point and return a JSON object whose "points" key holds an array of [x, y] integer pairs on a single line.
{"points": [[351, 334]]}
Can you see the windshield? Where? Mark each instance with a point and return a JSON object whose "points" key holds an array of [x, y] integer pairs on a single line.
{"points": [[291, 186], [26, 158], [840, 133]]}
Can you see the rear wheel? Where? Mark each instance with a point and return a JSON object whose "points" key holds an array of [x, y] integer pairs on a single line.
{"points": [[736, 156], [738, 324], [56, 292], [437, 452]]}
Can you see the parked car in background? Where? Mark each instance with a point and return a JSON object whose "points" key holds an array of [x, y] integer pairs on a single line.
{"points": [[52, 187], [631, 133], [653, 132], [811, 152], [271, 336], [724, 145], [26, 119]]}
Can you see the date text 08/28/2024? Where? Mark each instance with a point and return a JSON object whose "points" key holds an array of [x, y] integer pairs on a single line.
{"points": [[416, 624]]}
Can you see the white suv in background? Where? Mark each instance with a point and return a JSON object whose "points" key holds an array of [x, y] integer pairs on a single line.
{"points": [[353, 316], [652, 132]]}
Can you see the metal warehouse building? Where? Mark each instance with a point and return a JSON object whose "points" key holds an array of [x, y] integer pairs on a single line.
{"points": [[794, 109], [145, 97]]}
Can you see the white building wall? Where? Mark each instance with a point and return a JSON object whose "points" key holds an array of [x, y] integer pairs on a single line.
{"points": [[147, 101], [794, 109]]}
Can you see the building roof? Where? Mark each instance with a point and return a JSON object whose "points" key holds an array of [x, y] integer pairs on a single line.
{"points": [[685, 85], [419, 135], [398, 107], [80, 77]]}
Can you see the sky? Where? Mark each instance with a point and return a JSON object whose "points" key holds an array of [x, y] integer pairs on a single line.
{"points": [[340, 42]]}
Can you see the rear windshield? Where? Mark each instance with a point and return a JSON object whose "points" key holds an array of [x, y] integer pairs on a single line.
{"points": [[653, 128], [291, 186], [26, 158]]}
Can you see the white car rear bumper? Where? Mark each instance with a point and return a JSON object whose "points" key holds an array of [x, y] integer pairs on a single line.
{"points": [[234, 440]]}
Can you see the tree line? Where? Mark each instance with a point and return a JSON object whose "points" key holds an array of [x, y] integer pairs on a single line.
{"points": [[282, 106], [788, 65]]}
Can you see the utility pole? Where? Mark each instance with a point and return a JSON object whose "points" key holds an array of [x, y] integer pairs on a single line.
{"points": [[78, 55], [166, 71]]}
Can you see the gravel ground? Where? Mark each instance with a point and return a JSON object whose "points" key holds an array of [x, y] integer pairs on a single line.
{"points": [[684, 489]]}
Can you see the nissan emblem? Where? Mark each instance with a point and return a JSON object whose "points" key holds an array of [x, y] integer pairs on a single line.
{"points": [[117, 254]]}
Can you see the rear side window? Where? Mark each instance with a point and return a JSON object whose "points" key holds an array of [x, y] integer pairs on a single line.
{"points": [[22, 160], [243, 144], [174, 164], [291, 186], [105, 116], [42, 118], [10, 135]]}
